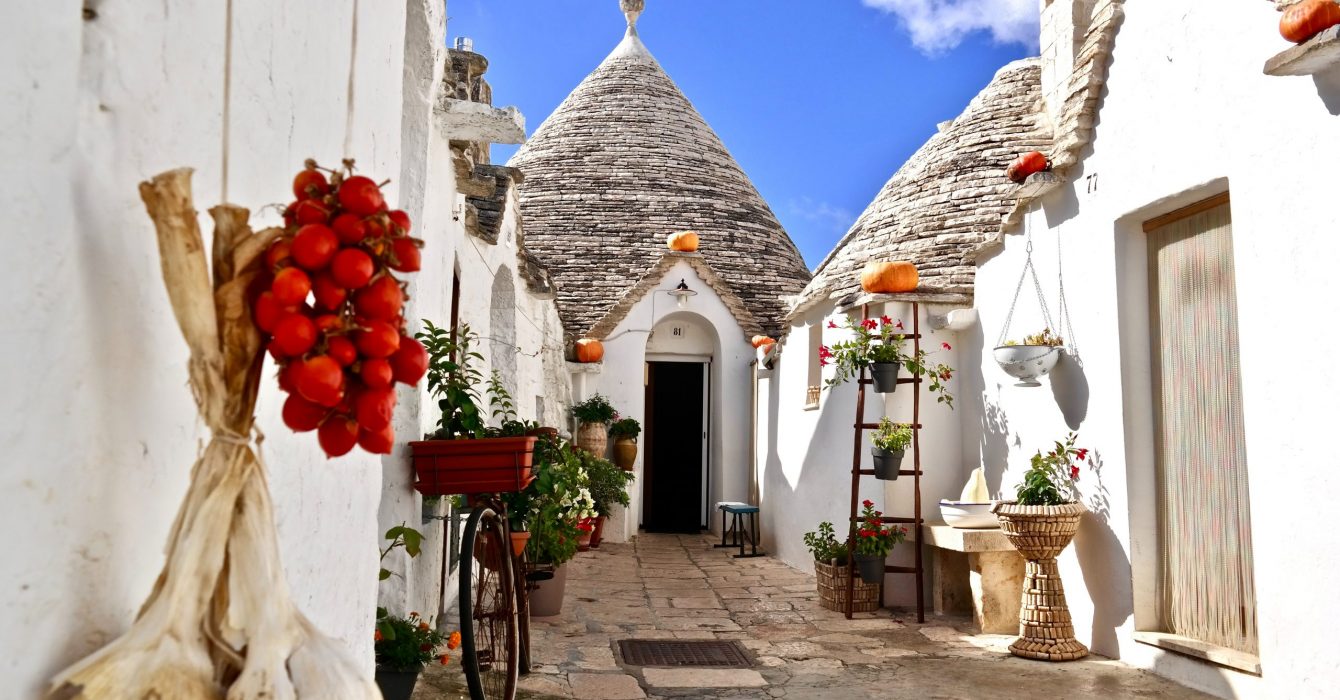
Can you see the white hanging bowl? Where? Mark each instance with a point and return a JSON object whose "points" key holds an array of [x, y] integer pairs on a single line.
{"points": [[1027, 362]]}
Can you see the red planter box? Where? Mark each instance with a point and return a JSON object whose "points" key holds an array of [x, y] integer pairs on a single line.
{"points": [[488, 465]]}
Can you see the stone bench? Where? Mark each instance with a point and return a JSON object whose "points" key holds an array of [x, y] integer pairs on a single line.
{"points": [[977, 571]]}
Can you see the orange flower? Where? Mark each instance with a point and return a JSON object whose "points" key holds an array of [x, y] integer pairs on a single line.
{"points": [[423, 626], [444, 659], [376, 635], [454, 640]]}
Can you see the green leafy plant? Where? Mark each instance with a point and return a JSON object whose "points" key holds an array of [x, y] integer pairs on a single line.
{"points": [[609, 483], [892, 437], [596, 409], [1046, 337], [824, 544], [625, 428], [556, 502], [1050, 480], [454, 378], [881, 340], [407, 643], [400, 536], [873, 537]]}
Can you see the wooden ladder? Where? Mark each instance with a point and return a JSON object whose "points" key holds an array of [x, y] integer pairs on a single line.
{"points": [[915, 522]]}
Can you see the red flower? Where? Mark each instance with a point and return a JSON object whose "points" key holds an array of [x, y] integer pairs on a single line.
{"points": [[832, 325], [946, 346], [376, 635], [823, 362], [1074, 472], [869, 324], [443, 659], [825, 351], [868, 503], [945, 375], [898, 325], [878, 513], [1083, 453], [885, 320]]}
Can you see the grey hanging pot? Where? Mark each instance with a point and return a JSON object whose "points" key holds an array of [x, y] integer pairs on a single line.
{"points": [[887, 463], [885, 375], [871, 567]]}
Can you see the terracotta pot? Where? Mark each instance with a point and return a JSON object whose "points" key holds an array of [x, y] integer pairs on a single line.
{"points": [[396, 685], [584, 539], [625, 453], [546, 600], [593, 437], [487, 465], [598, 533], [519, 540], [1040, 533]]}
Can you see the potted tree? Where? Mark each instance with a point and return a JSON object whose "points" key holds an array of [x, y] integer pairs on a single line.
{"points": [[465, 454], [1040, 523], [560, 499], [877, 345], [874, 541], [1031, 358], [593, 418], [889, 444], [625, 432], [830, 573], [609, 488]]}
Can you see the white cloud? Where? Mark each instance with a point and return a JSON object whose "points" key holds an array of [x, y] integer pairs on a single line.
{"points": [[831, 219], [937, 26]]}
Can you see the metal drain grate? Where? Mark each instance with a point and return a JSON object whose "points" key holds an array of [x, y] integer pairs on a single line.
{"points": [[711, 654]]}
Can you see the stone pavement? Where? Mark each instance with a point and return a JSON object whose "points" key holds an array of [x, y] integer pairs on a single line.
{"points": [[679, 587]]}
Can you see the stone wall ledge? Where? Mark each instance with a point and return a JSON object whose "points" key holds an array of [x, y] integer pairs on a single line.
{"points": [[1316, 55]]}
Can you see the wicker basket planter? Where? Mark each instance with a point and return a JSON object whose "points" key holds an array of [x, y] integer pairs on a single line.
{"points": [[1040, 533], [832, 582], [593, 437]]}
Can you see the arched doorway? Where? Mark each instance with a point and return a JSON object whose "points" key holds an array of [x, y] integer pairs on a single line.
{"points": [[676, 456]]}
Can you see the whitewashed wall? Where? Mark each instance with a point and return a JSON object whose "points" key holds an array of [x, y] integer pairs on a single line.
{"points": [[1188, 114], [805, 455], [622, 373], [98, 424]]}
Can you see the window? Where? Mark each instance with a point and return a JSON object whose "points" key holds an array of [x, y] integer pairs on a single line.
{"points": [[816, 371], [1205, 586]]}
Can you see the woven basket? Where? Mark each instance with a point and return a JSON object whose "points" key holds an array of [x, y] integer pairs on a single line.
{"points": [[832, 582], [1040, 533]]}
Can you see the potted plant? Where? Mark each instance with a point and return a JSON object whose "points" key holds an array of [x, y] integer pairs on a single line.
{"points": [[1040, 524], [877, 345], [609, 488], [560, 498], [889, 444], [625, 432], [1035, 356], [465, 454], [830, 573], [593, 418], [403, 646], [874, 541]]}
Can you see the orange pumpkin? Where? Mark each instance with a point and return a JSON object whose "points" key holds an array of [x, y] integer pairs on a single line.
{"points": [[1309, 18], [761, 340], [889, 277], [683, 242], [1027, 164], [590, 350]]}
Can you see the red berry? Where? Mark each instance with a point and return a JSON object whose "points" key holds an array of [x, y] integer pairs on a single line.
{"points": [[399, 223], [376, 226], [342, 350], [291, 286], [381, 299], [289, 218], [320, 380], [278, 252], [405, 255], [351, 268], [377, 442], [361, 196], [310, 183], [374, 407], [314, 246], [329, 294], [377, 373], [349, 228], [329, 323], [337, 436], [310, 211], [410, 361], [286, 382], [377, 339], [302, 415], [267, 311], [294, 335]]}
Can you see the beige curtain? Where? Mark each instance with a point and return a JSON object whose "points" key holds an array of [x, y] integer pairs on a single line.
{"points": [[1206, 586]]}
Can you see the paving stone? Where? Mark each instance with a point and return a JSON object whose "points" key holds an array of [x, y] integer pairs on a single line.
{"points": [[605, 686], [843, 638], [703, 678], [696, 603]]}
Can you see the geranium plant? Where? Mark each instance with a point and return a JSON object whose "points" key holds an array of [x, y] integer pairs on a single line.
{"points": [[824, 544], [596, 409], [407, 643], [559, 499], [874, 538], [1050, 480], [882, 341], [890, 436]]}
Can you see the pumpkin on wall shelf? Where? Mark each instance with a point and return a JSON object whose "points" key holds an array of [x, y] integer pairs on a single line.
{"points": [[1309, 18], [1027, 164], [889, 277], [759, 341], [683, 242], [589, 350]]}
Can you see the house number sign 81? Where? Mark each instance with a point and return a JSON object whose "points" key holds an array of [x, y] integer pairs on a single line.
{"points": [[677, 331]]}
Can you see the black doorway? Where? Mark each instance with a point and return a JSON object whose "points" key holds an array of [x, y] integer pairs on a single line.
{"points": [[672, 477]]}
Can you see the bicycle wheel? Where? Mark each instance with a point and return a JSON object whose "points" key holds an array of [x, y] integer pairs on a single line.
{"points": [[488, 608], [523, 611]]}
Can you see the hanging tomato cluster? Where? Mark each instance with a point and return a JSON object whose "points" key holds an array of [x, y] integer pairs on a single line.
{"points": [[332, 313]]}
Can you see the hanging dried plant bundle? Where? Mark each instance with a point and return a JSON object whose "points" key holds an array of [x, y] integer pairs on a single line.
{"points": [[220, 622]]}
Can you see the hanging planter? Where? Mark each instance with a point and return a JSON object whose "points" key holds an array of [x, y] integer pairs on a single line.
{"points": [[890, 443], [483, 465], [885, 375], [873, 541], [1030, 359]]}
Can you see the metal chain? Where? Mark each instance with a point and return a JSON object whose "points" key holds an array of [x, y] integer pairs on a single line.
{"points": [[1067, 332], [1037, 285]]}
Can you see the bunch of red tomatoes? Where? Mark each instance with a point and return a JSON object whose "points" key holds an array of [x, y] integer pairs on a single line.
{"points": [[333, 311]]}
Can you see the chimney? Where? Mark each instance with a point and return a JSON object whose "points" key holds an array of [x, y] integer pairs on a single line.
{"points": [[465, 43]]}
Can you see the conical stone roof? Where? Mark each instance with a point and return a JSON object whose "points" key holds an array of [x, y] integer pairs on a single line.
{"points": [[625, 161]]}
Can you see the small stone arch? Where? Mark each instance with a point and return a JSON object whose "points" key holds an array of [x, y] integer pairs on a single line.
{"points": [[502, 328]]}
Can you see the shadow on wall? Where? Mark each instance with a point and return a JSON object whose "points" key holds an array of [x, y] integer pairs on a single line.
{"points": [[1328, 89], [1102, 559], [1070, 388]]}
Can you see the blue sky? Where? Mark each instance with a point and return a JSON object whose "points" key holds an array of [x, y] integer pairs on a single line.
{"points": [[819, 100]]}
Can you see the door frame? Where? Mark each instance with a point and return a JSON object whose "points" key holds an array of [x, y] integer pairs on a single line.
{"points": [[706, 474]]}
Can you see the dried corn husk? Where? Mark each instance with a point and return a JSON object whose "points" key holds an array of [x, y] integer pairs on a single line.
{"points": [[220, 622]]}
